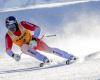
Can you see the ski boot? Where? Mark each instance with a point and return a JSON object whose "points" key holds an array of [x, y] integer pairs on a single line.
{"points": [[71, 59], [44, 63]]}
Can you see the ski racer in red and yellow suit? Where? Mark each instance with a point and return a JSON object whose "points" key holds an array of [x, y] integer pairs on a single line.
{"points": [[25, 35]]}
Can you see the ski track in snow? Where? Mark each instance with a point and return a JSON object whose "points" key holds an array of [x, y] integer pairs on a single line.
{"points": [[30, 69], [45, 6]]}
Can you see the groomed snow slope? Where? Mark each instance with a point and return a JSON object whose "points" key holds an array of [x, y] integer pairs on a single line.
{"points": [[87, 70]]}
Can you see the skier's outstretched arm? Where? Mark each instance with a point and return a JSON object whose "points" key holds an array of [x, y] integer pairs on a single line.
{"points": [[9, 43], [32, 27]]}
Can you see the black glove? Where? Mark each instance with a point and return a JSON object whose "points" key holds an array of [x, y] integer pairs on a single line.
{"points": [[34, 39]]}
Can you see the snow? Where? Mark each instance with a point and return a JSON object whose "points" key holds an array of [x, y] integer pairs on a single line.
{"points": [[77, 25], [85, 70]]}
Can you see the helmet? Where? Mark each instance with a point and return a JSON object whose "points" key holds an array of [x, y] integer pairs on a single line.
{"points": [[11, 23]]}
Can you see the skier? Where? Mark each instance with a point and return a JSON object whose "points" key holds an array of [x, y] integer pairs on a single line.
{"points": [[20, 34]]}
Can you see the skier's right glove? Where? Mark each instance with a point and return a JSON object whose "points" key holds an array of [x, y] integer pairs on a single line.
{"points": [[17, 57], [33, 43]]}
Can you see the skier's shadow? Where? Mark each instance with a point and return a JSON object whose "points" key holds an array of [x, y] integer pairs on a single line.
{"points": [[29, 69]]}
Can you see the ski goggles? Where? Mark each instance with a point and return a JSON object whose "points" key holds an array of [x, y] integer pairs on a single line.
{"points": [[11, 24]]}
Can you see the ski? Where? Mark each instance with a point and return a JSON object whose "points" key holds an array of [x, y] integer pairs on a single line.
{"points": [[57, 64]]}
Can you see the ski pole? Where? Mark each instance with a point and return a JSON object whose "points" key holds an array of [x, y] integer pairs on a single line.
{"points": [[48, 36]]}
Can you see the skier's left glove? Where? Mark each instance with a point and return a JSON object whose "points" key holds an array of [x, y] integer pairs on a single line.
{"points": [[17, 57]]}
